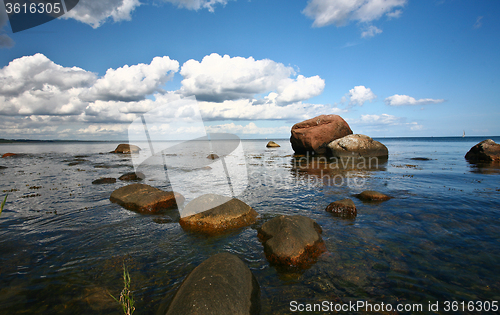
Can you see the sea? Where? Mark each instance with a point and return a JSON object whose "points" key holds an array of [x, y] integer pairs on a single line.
{"points": [[434, 247]]}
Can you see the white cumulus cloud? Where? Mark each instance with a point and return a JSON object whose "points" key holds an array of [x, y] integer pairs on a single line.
{"points": [[400, 100], [360, 95], [250, 128], [371, 31], [133, 83], [95, 13], [220, 78]]}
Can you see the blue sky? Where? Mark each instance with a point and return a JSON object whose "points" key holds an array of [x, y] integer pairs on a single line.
{"points": [[390, 68]]}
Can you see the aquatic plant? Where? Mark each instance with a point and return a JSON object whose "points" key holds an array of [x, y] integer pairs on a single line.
{"points": [[3, 204], [126, 299]]}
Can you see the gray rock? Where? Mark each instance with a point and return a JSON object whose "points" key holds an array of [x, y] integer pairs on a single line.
{"points": [[221, 285], [358, 146]]}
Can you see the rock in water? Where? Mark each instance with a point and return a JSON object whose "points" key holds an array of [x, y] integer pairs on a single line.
{"points": [[213, 214], [144, 198], [212, 156], [104, 180], [484, 151], [357, 145], [8, 154], [272, 144], [132, 176], [370, 195], [221, 285], [127, 148], [292, 240], [313, 135], [344, 208]]}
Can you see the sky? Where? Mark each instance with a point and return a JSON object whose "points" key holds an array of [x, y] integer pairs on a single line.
{"points": [[390, 68]]}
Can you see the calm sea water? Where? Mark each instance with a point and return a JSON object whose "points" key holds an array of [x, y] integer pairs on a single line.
{"points": [[63, 243]]}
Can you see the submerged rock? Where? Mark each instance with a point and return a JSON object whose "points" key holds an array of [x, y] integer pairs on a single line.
{"points": [[370, 195], [344, 208], [272, 144], [212, 156], [2, 167], [144, 198], [132, 176], [221, 285], [420, 159], [292, 240], [313, 135], [8, 155], [104, 180], [214, 214], [484, 151], [357, 145], [126, 148]]}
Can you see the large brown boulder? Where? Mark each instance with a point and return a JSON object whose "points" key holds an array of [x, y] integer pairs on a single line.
{"points": [[144, 198], [212, 214], [126, 148], [313, 135], [221, 285], [292, 240], [358, 146], [484, 151]]}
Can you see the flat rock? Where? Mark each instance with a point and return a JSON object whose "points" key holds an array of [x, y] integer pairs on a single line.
{"points": [[313, 135], [126, 148], [221, 285], [213, 214], [484, 151], [144, 198], [292, 240], [357, 145], [104, 180], [344, 208], [132, 176], [272, 144], [370, 195], [8, 155]]}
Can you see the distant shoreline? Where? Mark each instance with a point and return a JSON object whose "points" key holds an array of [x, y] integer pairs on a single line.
{"points": [[7, 141]]}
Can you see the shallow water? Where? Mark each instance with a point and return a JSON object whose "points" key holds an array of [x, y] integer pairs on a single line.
{"points": [[63, 244]]}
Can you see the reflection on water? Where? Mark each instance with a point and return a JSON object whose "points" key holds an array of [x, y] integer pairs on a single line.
{"points": [[62, 243]]}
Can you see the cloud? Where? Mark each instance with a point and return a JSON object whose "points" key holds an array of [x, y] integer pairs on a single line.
{"points": [[371, 31], [218, 79], [36, 85], [384, 122], [340, 12], [478, 23], [359, 95], [198, 4], [383, 119], [133, 83], [250, 128], [95, 13], [401, 100]]}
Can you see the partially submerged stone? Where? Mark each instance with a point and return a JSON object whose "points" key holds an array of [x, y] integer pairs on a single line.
{"points": [[212, 214], [357, 145], [8, 155], [272, 144], [484, 151], [221, 285], [126, 148], [132, 176], [144, 198], [344, 208], [370, 195], [104, 180], [292, 240], [212, 156]]}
